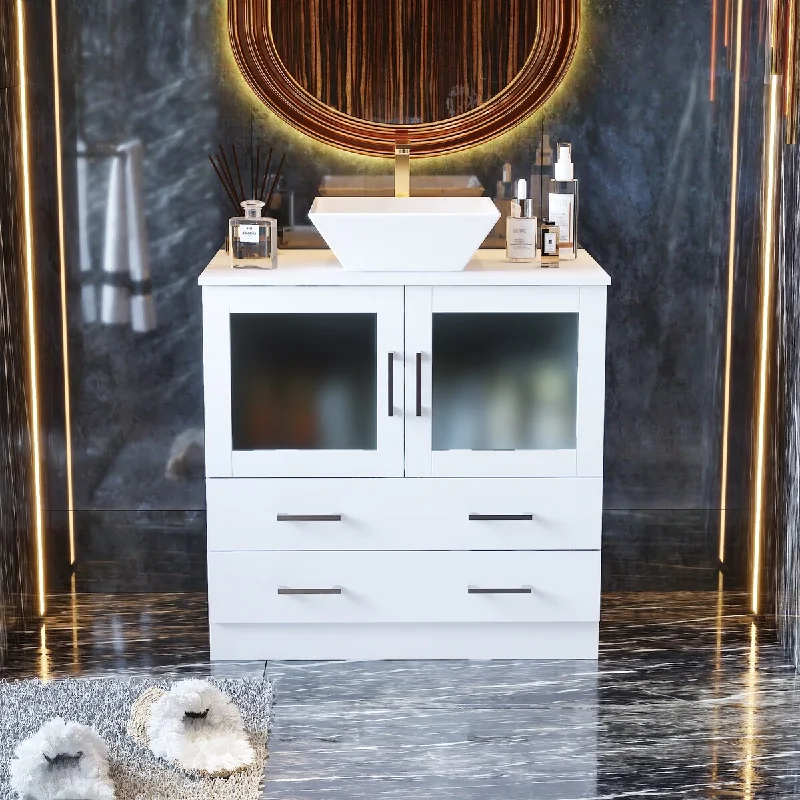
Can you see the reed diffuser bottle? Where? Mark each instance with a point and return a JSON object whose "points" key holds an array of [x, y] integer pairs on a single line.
{"points": [[253, 238]]}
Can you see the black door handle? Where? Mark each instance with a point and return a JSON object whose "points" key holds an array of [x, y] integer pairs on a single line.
{"points": [[419, 384], [391, 384]]}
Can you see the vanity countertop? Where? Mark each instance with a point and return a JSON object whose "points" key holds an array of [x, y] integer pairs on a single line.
{"points": [[321, 268]]}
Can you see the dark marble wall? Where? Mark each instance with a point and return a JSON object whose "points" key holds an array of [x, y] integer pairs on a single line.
{"points": [[652, 152], [783, 532], [146, 71]]}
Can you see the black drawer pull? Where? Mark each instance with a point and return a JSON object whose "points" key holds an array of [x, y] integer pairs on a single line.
{"points": [[287, 590], [501, 517], [309, 517], [521, 590]]}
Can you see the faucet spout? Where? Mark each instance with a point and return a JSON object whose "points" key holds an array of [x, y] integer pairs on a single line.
{"points": [[402, 171]]}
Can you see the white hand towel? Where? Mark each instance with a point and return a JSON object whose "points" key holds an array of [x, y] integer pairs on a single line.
{"points": [[88, 289], [116, 303], [143, 310]]}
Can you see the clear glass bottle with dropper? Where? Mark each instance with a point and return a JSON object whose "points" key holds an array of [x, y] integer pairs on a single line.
{"points": [[521, 227], [564, 202], [253, 238]]}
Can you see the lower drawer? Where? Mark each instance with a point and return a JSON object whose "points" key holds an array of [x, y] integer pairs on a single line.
{"points": [[403, 586], [405, 514]]}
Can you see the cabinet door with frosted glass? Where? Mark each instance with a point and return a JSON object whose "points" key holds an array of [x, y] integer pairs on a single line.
{"points": [[505, 381], [303, 381]]}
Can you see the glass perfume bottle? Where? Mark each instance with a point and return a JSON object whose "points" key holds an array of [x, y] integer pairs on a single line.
{"points": [[550, 244], [563, 202], [253, 238]]}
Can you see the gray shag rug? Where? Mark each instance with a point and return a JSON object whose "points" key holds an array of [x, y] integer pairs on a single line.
{"points": [[106, 704]]}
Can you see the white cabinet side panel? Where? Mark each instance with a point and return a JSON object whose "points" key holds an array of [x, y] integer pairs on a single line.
{"points": [[217, 382], [591, 380]]}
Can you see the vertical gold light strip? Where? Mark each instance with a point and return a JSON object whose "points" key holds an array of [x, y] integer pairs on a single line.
{"points": [[790, 97], [726, 408], [763, 361], [62, 253], [776, 49], [727, 23], [714, 27], [31, 305], [789, 66]]}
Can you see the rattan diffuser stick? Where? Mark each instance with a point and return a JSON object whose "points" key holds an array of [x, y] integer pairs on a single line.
{"points": [[266, 174], [229, 181], [225, 186], [275, 181]]}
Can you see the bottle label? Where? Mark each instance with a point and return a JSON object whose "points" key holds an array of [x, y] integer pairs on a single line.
{"points": [[550, 244], [520, 250], [248, 234], [521, 238], [562, 208]]}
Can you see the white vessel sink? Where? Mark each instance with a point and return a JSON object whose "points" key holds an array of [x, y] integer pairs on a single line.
{"points": [[404, 234]]}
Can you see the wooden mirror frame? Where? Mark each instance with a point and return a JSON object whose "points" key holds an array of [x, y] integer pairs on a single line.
{"points": [[251, 38]]}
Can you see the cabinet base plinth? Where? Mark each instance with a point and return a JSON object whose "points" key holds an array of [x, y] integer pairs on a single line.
{"points": [[398, 641]]}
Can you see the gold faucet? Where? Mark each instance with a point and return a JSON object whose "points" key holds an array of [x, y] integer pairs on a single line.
{"points": [[402, 171]]}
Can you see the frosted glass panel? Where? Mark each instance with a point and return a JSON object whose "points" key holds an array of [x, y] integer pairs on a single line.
{"points": [[505, 381], [303, 381]]}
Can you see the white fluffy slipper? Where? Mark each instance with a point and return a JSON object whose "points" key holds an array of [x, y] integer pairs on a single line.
{"points": [[199, 728], [62, 761]]}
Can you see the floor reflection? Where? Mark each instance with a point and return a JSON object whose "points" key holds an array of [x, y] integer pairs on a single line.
{"points": [[750, 704], [690, 699]]}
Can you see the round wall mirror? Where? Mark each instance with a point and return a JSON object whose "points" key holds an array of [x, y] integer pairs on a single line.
{"points": [[437, 76]]}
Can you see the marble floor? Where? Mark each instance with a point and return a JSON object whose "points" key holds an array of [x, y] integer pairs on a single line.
{"points": [[691, 698]]}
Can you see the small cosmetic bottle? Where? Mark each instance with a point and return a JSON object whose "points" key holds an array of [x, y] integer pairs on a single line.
{"points": [[253, 238], [550, 244], [563, 202], [521, 227]]}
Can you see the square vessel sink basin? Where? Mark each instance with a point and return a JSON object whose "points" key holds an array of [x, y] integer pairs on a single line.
{"points": [[404, 234]]}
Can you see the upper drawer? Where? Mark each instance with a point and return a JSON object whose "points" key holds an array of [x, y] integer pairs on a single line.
{"points": [[405, 514], [403, 587]]}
